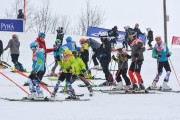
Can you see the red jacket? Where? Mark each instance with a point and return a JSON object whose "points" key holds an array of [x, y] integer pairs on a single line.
{"points": [[43, 45]]}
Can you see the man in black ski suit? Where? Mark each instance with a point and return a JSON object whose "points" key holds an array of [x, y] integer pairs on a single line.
{"points": [[150, 38], [60, 34], [113, 35], [20, 14], [105, 58]]}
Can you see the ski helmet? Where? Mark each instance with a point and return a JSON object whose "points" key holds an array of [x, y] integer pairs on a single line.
{"points": [[126, 27], [103, 34], [34, 45], [74, 52], [41, 34], [58, 41], [69, 39], [119, 46], [148, 29], [137, 24], [115, 27], [158, 38], [14, 36], [82, 40]]}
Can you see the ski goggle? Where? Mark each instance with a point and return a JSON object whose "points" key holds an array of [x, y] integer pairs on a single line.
{"points": [[33, 48], [58, 43]]}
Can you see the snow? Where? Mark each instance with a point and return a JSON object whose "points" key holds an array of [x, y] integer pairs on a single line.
{"points": [[164, 106]]}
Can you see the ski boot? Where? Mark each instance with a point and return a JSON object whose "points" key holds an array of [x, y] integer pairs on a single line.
{"points": [[165, 87], [32, 96], [141, 86]]}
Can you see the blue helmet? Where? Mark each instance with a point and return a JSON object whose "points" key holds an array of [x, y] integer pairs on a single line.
{"points": [[34, 45], [69, 39], [41, 34]]}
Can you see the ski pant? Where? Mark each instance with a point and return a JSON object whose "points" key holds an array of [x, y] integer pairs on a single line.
{"points": [[33, 81], [86, 63], [61, 78], [149, 43], [17, 64], [94, 57], [135, 69], [105, 68], [54, 67], [122, 72], [166, 66], [83, 79]]}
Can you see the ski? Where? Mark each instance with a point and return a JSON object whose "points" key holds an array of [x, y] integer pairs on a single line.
{"points": [[160, 90], [132, 92], [76, 100], [5, 63], [82, 85]]}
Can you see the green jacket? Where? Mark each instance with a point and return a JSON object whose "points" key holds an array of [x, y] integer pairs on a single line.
{"points": [[78, 66], [67, 61]]}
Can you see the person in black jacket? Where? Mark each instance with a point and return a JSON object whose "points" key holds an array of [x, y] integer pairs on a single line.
{"points": [[20, 14], [127, 41], [113, 35], [1, 48], [105, 58], [60, 34], [137, 30], [150, 38]]}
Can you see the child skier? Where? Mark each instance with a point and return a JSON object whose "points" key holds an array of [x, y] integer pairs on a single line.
{"points": [[122, 59], [161, 53], [66, 63], [37, 71], [57, 56], [79, 70]]}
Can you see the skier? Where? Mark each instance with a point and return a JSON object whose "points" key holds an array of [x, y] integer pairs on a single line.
{"points": [[42, 44], [95, 46], [57, 56], [20, 14], [1, 48], [105, 58], [137, 61], [122, 59], [150, 38], [161, 53], [126, 41], [137, 30], [69, 43], [66, 63], [60, 34], [113, 35], [37, 71], [84, 52], [14, 45], [79, 71]]}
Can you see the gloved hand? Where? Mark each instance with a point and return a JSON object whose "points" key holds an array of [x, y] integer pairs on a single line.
{"points": [[57, 57], [83, 71], [136, 55], [68, 69], [128, 56], [34, 73], [102, 56], [113, 57], [169, 54], [159, 56], [56, 49]]}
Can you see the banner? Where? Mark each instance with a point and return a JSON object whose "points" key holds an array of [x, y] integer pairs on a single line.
{"points": [[12, 25], [175, 40], [94, 32]]}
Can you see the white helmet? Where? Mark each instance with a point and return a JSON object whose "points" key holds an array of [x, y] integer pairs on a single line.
{"points": [[119, 46], [103, 34], [148, 29]]}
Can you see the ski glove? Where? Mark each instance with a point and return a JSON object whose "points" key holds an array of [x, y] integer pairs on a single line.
{"points": [[68, 69], [58, 58], [102, 56], [136, 55], [159, 56], [169, 54], [83, 71]]}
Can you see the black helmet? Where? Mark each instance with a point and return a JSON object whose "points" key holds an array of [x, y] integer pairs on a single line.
{"points": [[74, 52]]}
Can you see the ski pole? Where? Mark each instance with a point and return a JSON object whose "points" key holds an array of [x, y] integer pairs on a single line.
{"points": [[113, 74], [90, 60], [50, 64], [174, 71], [43, 86], [14, 83]]}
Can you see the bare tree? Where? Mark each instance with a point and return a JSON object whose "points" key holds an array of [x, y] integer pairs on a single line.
{"points": [[91, 16]]}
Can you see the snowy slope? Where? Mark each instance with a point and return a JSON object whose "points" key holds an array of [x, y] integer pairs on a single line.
{"points": [[163, 106]]}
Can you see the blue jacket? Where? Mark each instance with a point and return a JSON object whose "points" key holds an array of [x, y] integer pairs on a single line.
{"points": [[38, 60], [57, 51], [164, 51]]}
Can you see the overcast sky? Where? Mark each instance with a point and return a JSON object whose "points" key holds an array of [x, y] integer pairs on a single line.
{"points": [[148, 13]]}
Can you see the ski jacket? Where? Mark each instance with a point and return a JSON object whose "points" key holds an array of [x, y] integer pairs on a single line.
{"points": [[57, 52], [78, 66], [93, 44], [14, 45], [38, 60], [137, 48], [113, 33], [85, 52], [43, 45], [67, 61], [160, 49], [138, 31], [1, 48], [150, 35], [69, 44], [105, 48], [122, 59]]}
